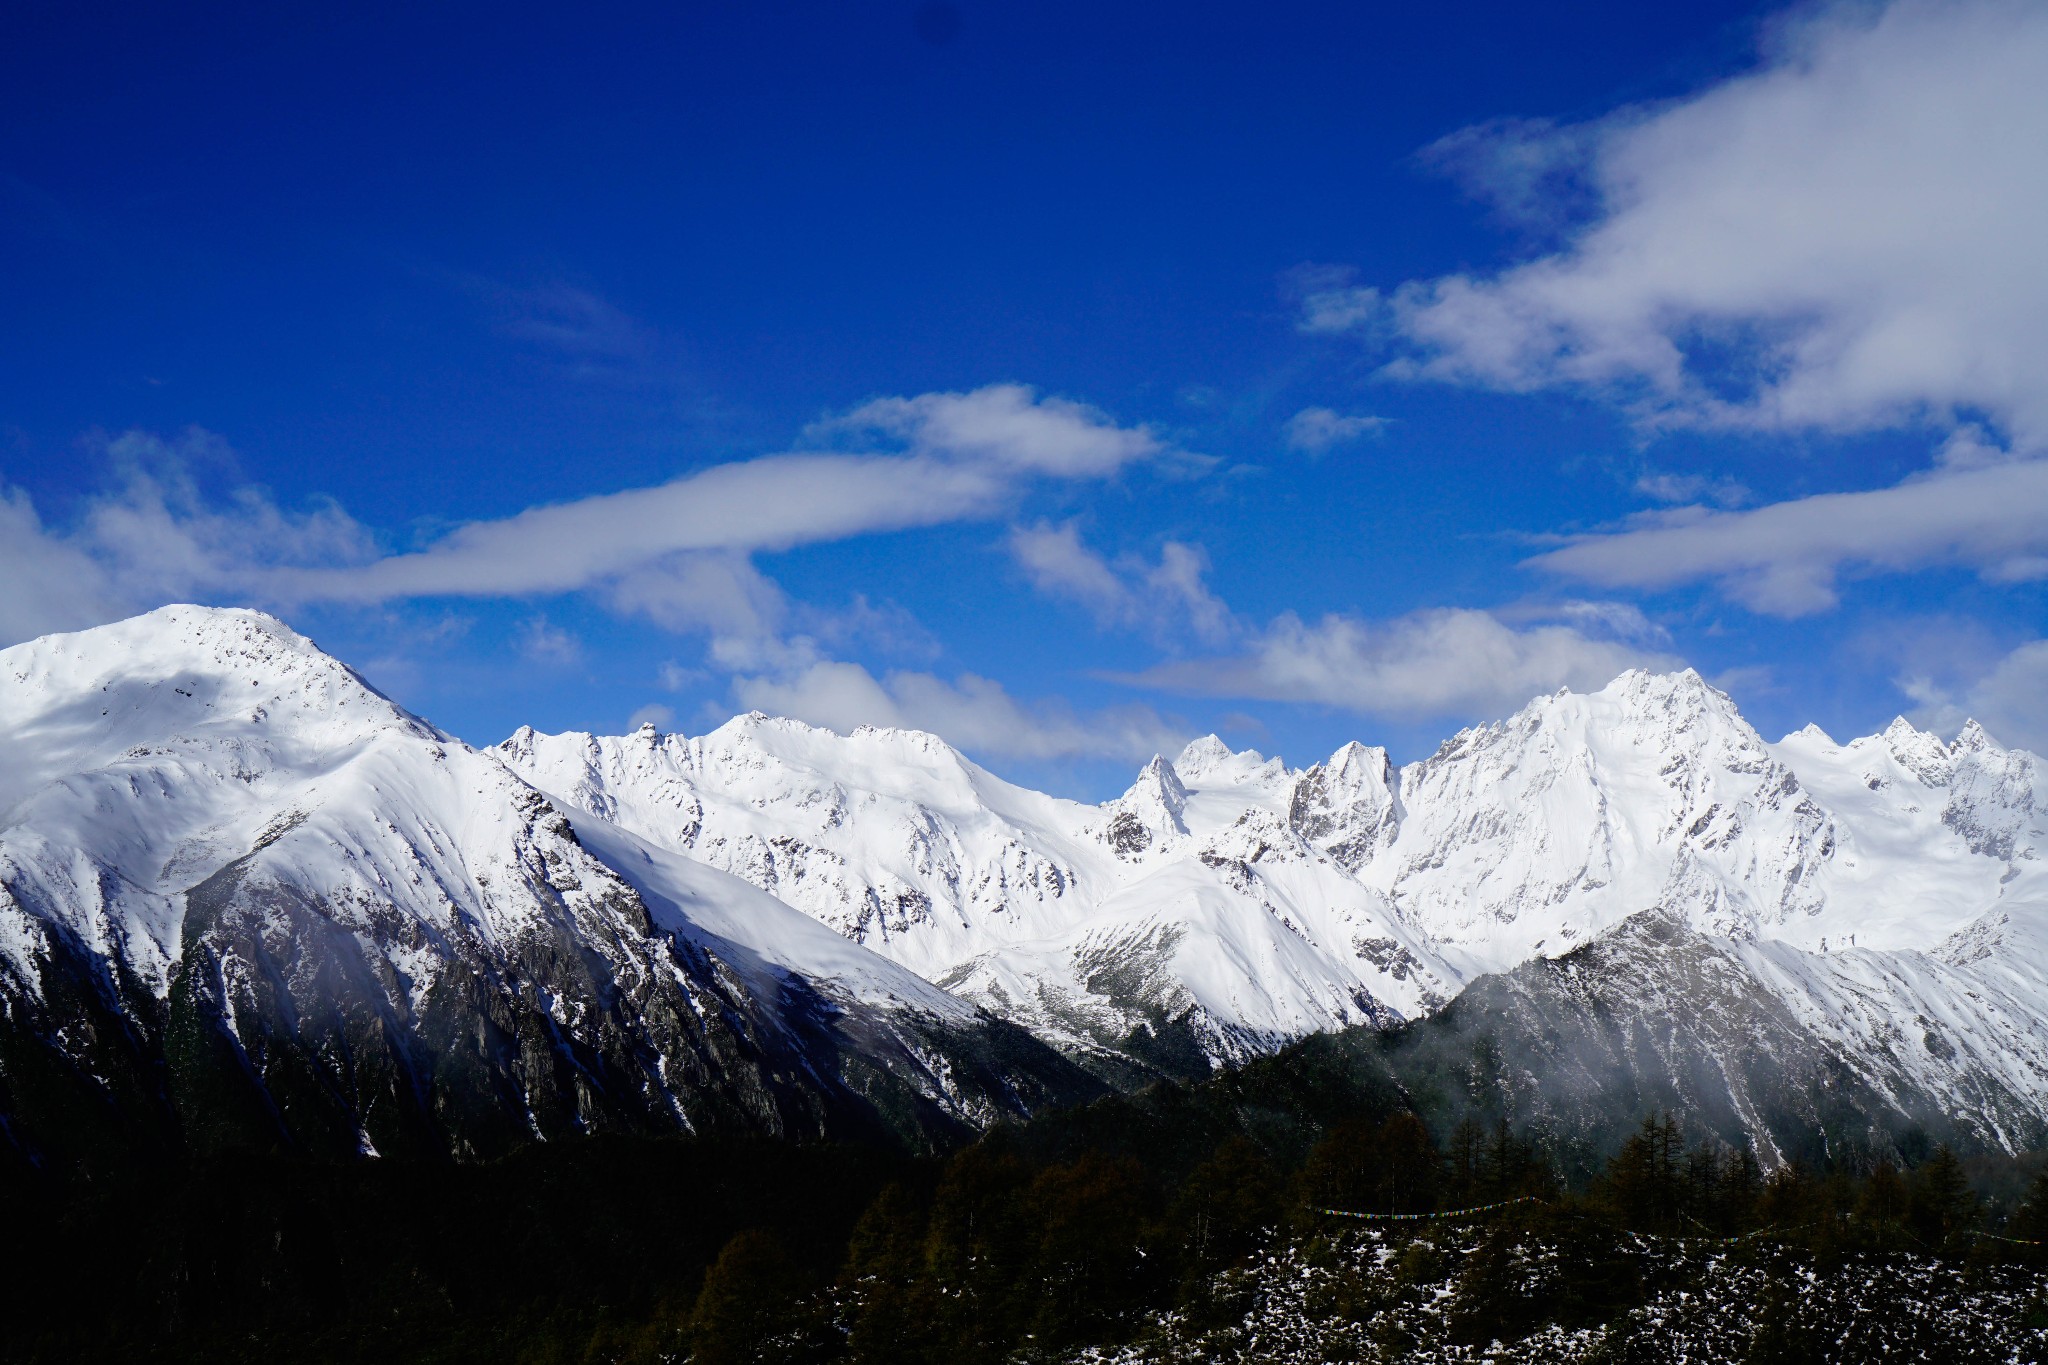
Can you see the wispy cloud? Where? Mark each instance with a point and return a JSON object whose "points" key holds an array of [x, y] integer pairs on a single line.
{"points": [[943, 457], [1843, 239], [572, 322], [1329, 299], [1666, 486], [1784, 559], [1164, 597], [2004, 698], [156, 533], [973, 712], [679, 554], [541, 641], [1446, 662], [1316, 430]]}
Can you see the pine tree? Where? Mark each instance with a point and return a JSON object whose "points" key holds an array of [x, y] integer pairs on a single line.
{"points": [[1226, 1204], [891, 1314], [1644, 1181], [1512, 1165], [1409, 1165], [1343, 1170], [1882, 1205], [1090, 1217], [1941, 1204], [979, 1250], [1496, 1298], [1465, 1162]]}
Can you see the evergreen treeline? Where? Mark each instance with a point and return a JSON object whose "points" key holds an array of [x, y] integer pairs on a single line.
{"points": [[1032, 1240]]}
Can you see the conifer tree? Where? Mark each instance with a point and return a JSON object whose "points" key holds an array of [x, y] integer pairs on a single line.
{"points": [[1409, 1165], [1941, 1204], [2030, 1224], [1226, 1203], [1644, 1181]]}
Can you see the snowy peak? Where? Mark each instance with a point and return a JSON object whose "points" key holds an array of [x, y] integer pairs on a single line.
{"points": [[1209, 762], [1973, 738], [1202, 757], [1996, 799], [225, 677], [1221, 906], [388, 941], [1149, 816], [1535, 834], [1920, 753], [1346, 806]]}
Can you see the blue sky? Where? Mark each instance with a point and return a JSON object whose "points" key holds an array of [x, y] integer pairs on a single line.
{"points": [[1066, 379]]}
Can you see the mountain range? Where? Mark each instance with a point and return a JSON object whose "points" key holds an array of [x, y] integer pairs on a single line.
{"points": [[245, 899]]}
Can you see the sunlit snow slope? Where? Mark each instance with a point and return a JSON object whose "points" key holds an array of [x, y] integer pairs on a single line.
{"points": [[1886, 895], [245, 898]]}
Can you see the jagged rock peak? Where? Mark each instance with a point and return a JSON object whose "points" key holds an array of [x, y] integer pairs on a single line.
{"points": [[1158, 782], [1973, 738], [1346, 806], [1920, 753], [1355, 761], [1151, 813], [1209, 762], [1201, 757], [1685, 689]]}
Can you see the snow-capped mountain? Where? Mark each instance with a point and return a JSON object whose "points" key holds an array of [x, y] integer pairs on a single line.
{"points": [[245, 898], [1887, 895], [1186, 920]]}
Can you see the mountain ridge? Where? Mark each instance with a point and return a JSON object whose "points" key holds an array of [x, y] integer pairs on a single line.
{"points": [[297, 916], [816, 930]]}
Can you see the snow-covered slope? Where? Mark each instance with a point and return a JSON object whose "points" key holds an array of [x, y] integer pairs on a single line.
{"points": [[229, 866], [1186, 913], [1226, 902]]}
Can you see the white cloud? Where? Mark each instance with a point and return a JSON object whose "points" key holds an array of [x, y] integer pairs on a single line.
{"points": [[51, 584], [1664, 486], [971, 712], [1005, 426], [1170, 593], [1444, 662], [676, 553], [2010, 699], [155, 535], [1846, 238], [1784, 559], [957, 455], [1608, 620], [1315, 430], [716, 591], [573, 321], [545, 643], [674, 677], [1330, 301]]}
